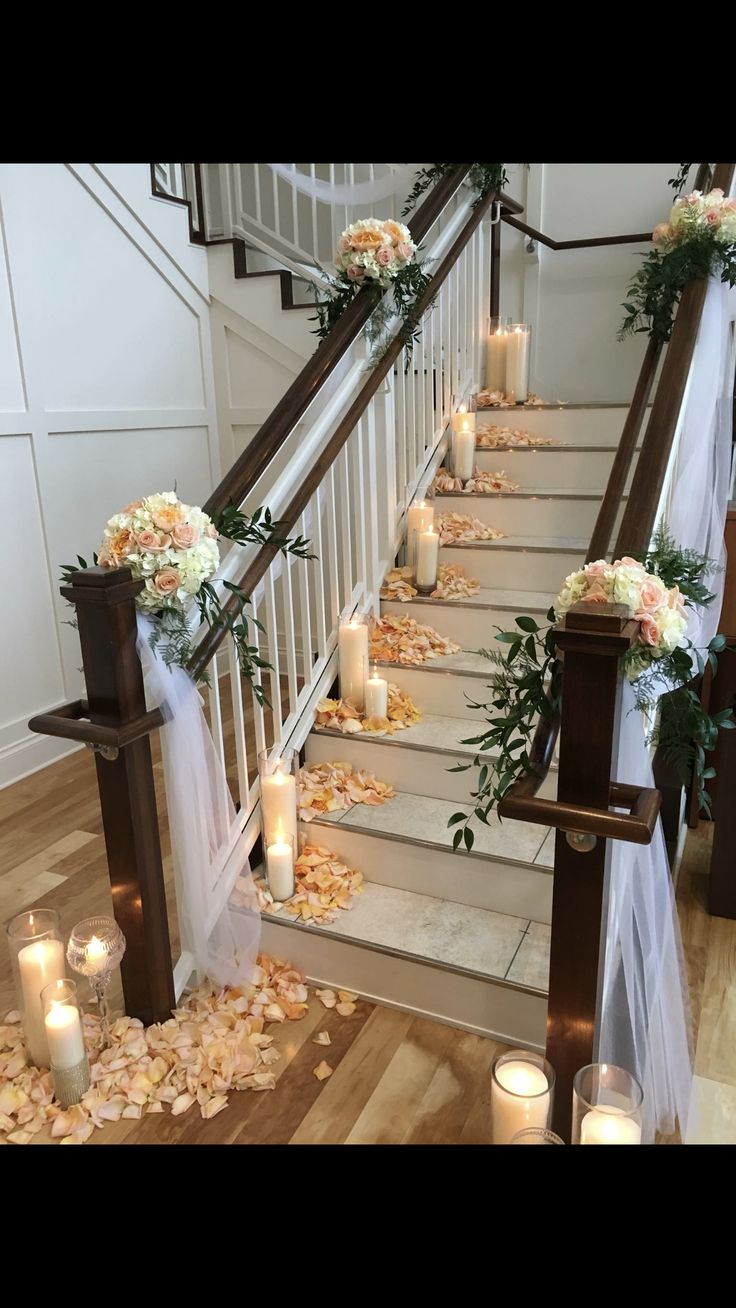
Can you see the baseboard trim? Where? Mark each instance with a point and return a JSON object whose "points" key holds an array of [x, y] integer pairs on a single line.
{"points": [[21, 758]]}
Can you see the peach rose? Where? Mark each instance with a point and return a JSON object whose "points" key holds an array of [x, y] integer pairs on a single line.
{"points": [[131, 508], [730, 205], [596, 595], [717, 190], [384, 255], [344, 243], [212, 531], [405, 250], [628, 562], [597, 569], [675, 600], [152, 541], [120, 545], [370, 238], [355, 272], [661, 233], [184, 536], [167, 517], [394, 231], [649, 634], [651, 596], [166, 581], [713, 217]]}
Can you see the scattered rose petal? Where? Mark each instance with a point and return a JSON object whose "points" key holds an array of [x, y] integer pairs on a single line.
{"points": [[181, 1104], [322, 1071], [347, 996], [20, 1137], [328, 997], [346, 1009], [322, 1038]]}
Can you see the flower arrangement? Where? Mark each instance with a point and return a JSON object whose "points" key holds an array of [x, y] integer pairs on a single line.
{"points": [[527, 681], [374, 250], [698, 240], [172, 547]]}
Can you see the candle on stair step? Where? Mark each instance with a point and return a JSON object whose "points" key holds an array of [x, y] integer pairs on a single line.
{"points": [[463, 454], [419, 517], [278, 794], [428, 544], [517, 363], [463, 420], [352, 647], [280, 867], [496, 355], [376, 696]]}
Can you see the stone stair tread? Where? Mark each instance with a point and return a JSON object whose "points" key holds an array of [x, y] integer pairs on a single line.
{"points": [[457, 936], [466, 663], [421, 819], [523, 601], [435, 732], [524, 493], [547, 544]]}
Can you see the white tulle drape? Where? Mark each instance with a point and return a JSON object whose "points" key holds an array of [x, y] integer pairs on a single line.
{"points": [[645, 1016], [397, 181], [206, 839]]}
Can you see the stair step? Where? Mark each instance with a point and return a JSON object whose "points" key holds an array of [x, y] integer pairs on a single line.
{"points": [[454, 971], [536, 512], [416, 760], [580, 424], [471, 622], [442, 691], [585, 467], [524, 561]]}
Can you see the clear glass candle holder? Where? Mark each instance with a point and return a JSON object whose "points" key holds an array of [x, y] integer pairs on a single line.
{"points": [[606, 1106], [462, 443], [96, 947], [496, 339], [280, 859], [65, 1036], [352, 652], [522, 1092], [37, 958], [278, 775], [536, 1135], [518, 357]]}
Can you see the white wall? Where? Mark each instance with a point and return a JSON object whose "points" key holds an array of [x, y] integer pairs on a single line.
{"points": [[106, 392], [573, 298]]}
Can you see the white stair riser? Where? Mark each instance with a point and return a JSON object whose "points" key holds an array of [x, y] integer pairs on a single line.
{"points": [[514, 569], [578, 426], [521, 515], [416, 771], [519, 889], [489, 1008], [559, 469], [472, 629], [443, 693]]}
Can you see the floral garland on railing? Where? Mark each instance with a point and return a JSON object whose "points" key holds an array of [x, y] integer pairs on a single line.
{"points": [[528, 680], [698, 241], [483, 177], [172, 547]]}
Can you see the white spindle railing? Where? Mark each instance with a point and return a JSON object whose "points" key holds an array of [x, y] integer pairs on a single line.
{"points": [[354, 519]]}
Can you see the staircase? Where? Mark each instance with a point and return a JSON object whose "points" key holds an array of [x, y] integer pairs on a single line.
{"points": [[461, 937]]}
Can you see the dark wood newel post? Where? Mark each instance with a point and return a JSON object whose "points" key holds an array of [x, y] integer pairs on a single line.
{"points": [[106, 614], [593, 638]]}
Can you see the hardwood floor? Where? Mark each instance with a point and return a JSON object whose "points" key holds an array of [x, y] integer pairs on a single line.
{"points": [[397, 1079]]}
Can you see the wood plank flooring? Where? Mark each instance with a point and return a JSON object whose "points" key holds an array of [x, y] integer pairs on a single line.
{"points": [[397, 1079]]}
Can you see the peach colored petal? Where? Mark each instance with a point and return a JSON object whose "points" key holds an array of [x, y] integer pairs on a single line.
{"points": [[181, 1104], [20, 1137], [322, 1071], [346, 1009], [322, 1038], [328, 997]]}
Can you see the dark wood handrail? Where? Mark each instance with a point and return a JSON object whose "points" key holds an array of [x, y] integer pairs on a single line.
{"points": [[638, 521], [294, 403], [633, 238], [213, 639]]}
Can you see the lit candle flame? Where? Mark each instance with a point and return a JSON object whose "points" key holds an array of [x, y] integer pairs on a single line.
{"points": [[463, 408]]}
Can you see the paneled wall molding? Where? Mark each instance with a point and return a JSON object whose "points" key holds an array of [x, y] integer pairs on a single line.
{"points": [[106, 392]]}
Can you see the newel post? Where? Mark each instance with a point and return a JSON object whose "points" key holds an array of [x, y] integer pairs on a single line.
{"points": [[592, 639], [106, 615]]}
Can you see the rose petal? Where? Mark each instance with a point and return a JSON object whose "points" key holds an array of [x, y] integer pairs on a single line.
{"points": [[322, 1038], [322, 1071]]}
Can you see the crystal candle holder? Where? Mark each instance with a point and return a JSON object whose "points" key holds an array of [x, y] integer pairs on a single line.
{"points": [[278, 773], [606, 1106], [496, 341], [96, 947], [522, 1090], [536, 1135], [37, 957], [518, 352], [65, 1036], [280, 866], [352, 653]]}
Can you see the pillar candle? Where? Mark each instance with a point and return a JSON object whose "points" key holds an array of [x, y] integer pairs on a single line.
{"points": [[278, 803], [419, 517], [64, 1035], [517, 364], [609, 1126], [428, 544], [39, 964], [496, 359], [519, 1098], [280, 868], [352, 644], [462, 420], [376, 696], [463, 454]]}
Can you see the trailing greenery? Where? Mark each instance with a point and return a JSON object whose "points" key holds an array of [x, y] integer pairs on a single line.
{"points": [[656, 288], [400, 300], [679, 181], [483, 177], [527, 682], [172, 635]]}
